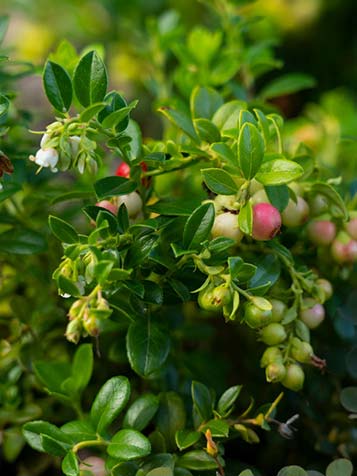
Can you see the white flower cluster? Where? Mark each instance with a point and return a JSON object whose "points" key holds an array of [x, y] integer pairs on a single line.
{"points": [[48, 156]]}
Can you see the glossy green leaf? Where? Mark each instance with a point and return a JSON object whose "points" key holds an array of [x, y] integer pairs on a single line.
{"points": [[62, 230], [52, 374], [90, 79], [58, 86], [180, 120], [219, 428], [128, 445], [141, 412], [186, 438], [219, 181], [224, 152], [250, 150], [113, 186], [227, 399], [4, 105], [337, 205], [227, 116], [79, 430], [119, 118], [164, 471], [198, 226], [70, 466], [128, 468], [82, 366], [287, 84], [340, 467], [205, 102], [245, 218], [171, 417], [278, 172], [268, 271], [22, 242], [35, 432], [278, 196], [197, 460], [109, 402], [202, 400], [292, 471], [171, 207], [91, 111], [147, 346], [206, 130]]}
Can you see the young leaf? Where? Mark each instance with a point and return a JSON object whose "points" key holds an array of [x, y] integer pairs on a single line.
{"points": [[228, 398], [287, 84], [219, 181], [227, 116], [198, 226], [219, 428], [250, 150], [147, 346], [186, 438], [141, 412], [82, 366], [58, 86], [245, 218], [90, 79], [62, 230], [70, 465], [129, 444], [278, 172], [206, 130], [79, 430], [109, 402], [202, 400]]}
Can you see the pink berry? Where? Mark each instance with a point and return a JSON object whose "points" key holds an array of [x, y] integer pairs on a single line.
{"points": [[351, 228], [339, 251], [321, 232], [351, 250], [266, 221], [108, 206], [312, 313]]}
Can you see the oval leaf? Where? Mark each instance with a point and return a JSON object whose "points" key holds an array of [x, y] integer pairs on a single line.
{"points": [[70, 465], [129, 444], [198, 226], [90, 79], [58, 86], [278, 172], [141, 412], [219, 181], [62, 230], [250, 150], [340, 467]]}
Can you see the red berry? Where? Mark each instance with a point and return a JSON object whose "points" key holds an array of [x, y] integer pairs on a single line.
{"points": [[108, 206], [123, 170], [266, 221], [321, 232]]}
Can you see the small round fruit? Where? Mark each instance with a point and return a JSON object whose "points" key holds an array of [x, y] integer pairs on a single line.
{"points": [[301, 351], [278, 311], [351, 250], [339, 251], [266, 221], [133, 203], [273, 334], [295, 214], [226, 225], [326, 288], [108, 206], [275, 372], [351, 227], [318, 205], [312, 313], [294, 378], [123, 170], [214, 298], [321, 232], [271, 355], [256, 317], [260, 197], [93, 466]]}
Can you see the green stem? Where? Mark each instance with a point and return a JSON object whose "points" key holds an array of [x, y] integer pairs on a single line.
{"points": [[85, 444]]}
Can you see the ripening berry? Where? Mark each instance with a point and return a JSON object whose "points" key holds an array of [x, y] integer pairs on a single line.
{"points": [[326, 288], [275, 372], [351, 250], [273, 334], [108, 206], [256, 317], [266, 221], [226, 225], [295, 214], [278, 311], [301, 351], [123, 170], [321, 232], [312, 313], [339, 251], [271, 355], [294, 378], [351, 228]]}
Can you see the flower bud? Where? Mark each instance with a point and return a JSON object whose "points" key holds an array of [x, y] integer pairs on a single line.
{"points": [[295, 214], [278, 310], [273, 334], [275, 372], [74, 142], [226, 225], [301, 351], [271, 355], [294, 378], [255, 317], [321, 232], [90, 324], [312, 313], [266, 221]]}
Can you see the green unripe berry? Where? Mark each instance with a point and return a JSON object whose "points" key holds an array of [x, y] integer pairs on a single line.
{"points": [[295, 214], [278, 311], [214, 298], [294, 378], [271, 355], [273, 334], [326, 288], [256, 317], [301, 351], [275, 372]]}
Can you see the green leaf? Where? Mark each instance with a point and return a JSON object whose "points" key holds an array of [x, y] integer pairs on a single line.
{"points": [[164, 471], [82, 366], [113, 186], [9, 189], [4, 23], [225, 152], [348, 399], [180, 120], [186, 438], [62, 230], [147, 346], [244, 117], [235, 264], [141, 412], [287, 84], [278, 196], [90, 79], [197, 460], [264, 125], [268, 271], [58, 86], [206, 130], [228, 398], [114, 102], [205, 102], [278, 172], [128, 445], [79, 430], [219, 181], [202, 400], [246, 472], [171, 207], [91, 111], [22, 242], [52, 374], [292, 471], [35, 433], [337, 205], [245, 218], [227, 116], [340, 467], [4, 105], [219, 428], [250, 150], [125, 469], [120, 118], [70, 465], [171, 417], [109, 402], [198, 226]]}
